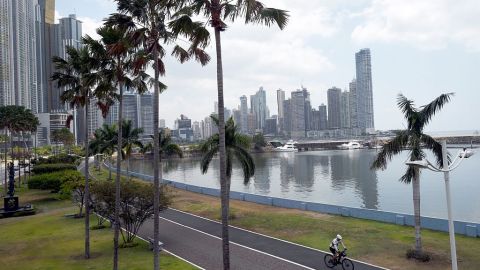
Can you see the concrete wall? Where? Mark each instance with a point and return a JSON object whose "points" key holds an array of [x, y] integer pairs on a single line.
{"points": [[466, 228]]}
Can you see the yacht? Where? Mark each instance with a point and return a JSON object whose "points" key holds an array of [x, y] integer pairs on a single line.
{"points": [[351, 145], [288, 147]]}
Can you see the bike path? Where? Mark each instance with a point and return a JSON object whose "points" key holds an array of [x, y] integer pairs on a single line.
{"points": [[301, 255]]}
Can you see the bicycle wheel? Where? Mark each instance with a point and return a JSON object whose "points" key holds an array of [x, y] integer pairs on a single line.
{"points": [[329, 261], [347, 264]]}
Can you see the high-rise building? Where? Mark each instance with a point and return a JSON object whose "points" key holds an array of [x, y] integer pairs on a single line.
{"points": [[259, 107], [183, 128], [280, 100], [130, 108], [364, 93], [197, 134], [243, 114], [270, 126], [19, 34], [297, 110], [145, 117], [307, 108], [237, 118], [345, 110], [322, 110], [161, 123], [287, 117], [95, 117], [353, 103], [334, 108]]}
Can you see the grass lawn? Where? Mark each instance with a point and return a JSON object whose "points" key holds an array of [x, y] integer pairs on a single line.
{"points": [[48, 240]]}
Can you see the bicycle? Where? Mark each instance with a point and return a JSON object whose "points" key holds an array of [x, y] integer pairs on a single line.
{"points": [[342, 259]]}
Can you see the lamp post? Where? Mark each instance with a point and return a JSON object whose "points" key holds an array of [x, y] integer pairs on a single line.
{"points": [[446, 169]]}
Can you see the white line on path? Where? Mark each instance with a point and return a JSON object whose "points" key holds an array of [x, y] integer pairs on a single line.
{"points": [[216, 237], [292, 243]]}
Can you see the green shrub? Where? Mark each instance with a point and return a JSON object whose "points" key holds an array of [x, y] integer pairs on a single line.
{"points": [[52, 181], [60, 158], [49, 168]]}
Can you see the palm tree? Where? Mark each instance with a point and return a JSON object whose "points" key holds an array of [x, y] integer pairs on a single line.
{"points": [[78, 73], [414, 140], [130, 140], [148, 17], [217, 12], [123, 68], [166, 145], [236, 145], [104, 142]]}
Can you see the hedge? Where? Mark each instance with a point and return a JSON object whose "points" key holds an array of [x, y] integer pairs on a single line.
{"points": [[52, 181], [49, 168], [61, 158]]}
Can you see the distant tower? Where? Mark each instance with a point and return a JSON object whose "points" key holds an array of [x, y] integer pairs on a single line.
{"points": [[297, 113], [345, 110], [334, 107], [280, 100], [244, 114], [364, 94]]}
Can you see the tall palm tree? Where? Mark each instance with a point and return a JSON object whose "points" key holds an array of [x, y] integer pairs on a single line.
{"points": [[130, 139], [149, 18], [79, 75], [124, 68], [237, 146], [414, 140], [218, 13]]}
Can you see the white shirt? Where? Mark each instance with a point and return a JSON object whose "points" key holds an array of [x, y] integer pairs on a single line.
{"points": [[335, 243]]}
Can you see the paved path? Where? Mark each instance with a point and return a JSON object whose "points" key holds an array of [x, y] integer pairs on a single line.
{"points": [[198, 240]]}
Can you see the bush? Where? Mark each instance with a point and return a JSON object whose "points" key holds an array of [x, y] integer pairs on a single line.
{"points": [[49, 168], [61, 158], [52, 181], [423, 257]]}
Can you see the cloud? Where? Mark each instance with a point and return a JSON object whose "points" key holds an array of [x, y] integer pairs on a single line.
{"points": [[89, 26], [426, 24]]}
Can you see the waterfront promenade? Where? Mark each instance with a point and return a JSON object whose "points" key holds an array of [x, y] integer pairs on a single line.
{"points": [[198, 241]]}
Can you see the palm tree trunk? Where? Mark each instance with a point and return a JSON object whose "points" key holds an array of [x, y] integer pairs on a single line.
{"points": [[416, 210], [117, 181], [109, 169], [222, 152], [87, 186], [156, 171], [6, 157]]}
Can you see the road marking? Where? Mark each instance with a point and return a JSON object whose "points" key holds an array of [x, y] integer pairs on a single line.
{"points": [[240, 245], [292, 243]]}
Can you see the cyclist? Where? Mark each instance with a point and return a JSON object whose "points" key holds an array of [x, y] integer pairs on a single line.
{"points": [[334, 246]]}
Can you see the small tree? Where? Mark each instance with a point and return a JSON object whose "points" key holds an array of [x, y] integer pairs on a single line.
{"points": [[74, 185], [136, 202]]}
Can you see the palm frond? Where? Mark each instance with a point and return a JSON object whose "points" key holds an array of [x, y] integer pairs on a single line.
{"points": [[429, 110], [207, 158], [390, 149], [436, 147], [246, 161], [406, 106]]}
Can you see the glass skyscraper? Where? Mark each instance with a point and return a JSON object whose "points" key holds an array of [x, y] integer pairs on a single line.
{"points": [[363, 91]]}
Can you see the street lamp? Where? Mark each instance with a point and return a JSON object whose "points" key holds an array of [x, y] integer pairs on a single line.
{"points": [[446, 169]]}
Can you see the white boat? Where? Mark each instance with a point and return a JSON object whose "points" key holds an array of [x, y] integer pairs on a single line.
{"points": [[351, 145], [288, 147]]}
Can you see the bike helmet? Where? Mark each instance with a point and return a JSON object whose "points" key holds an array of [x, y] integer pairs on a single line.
{"points": [[339, 237]]}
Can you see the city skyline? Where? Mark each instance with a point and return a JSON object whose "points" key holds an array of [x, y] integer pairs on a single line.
{"points": [[410, 52]]}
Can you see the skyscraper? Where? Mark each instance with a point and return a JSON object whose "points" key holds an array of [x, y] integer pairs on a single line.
{"points": [[364, 94], [259, 107], [307, 108], [322, 110], [145, 118], [280, 100], [243, 114], [345, 110], [353, 103], [19, 28], [297, 113], [334, 107], [287, 117]]}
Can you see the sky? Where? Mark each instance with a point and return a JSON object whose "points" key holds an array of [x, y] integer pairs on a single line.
{"points": [[419, 48]]}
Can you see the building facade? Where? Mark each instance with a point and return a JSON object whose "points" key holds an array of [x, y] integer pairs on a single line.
{"points": [[334, 107], [364, 92]]}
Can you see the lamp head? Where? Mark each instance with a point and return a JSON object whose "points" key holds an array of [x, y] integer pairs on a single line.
{"points": [[466, 153], [422, 164]]}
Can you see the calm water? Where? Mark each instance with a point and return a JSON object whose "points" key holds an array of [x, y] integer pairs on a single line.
{"points": [[340, 177]]}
